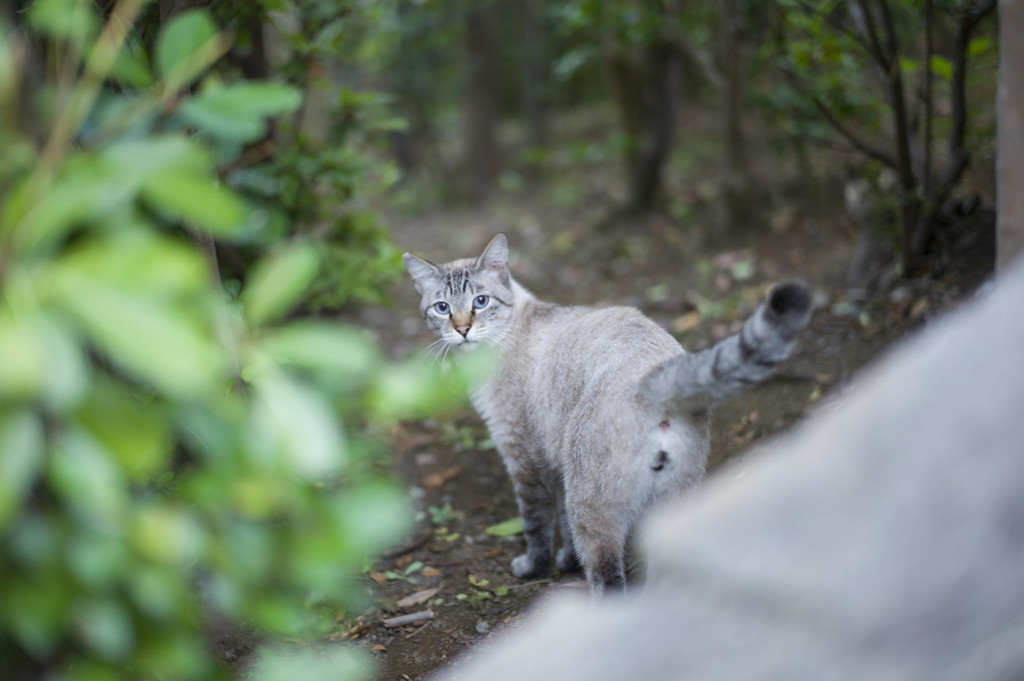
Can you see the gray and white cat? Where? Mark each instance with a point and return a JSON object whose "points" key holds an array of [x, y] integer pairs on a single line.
{"points": [[598, 414]]}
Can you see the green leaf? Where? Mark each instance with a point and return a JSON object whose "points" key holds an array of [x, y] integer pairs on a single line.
{"points": [[90, 192], [293, 425], [74, 20], [153, 340], [167, 536], [196, 200], [980, 45], [139, 436], [942, 67], [143, 263], [136, 159], [67, 369], [22, 359], [81, 472], [239, 112], [279, 282], [96, 559], [131, 68], [349, 664], [322, 348], [105, 626], [372, 517], [21, 459], [185, 47], [509, 528]]}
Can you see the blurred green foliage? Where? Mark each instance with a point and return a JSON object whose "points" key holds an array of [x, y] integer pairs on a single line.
{"points": [[170, 452]]}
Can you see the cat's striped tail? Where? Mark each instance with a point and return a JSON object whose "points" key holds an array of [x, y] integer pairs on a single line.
{"points": [[694, 381]]}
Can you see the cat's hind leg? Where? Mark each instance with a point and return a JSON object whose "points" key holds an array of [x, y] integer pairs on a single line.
{"points": [[566, 559], [537, 508], [601, 546]]}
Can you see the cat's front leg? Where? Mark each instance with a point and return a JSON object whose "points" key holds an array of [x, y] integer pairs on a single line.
{"points": [[537, 509]]}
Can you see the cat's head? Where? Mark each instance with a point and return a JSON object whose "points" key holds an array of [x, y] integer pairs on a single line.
{"points": [[465, 301]]}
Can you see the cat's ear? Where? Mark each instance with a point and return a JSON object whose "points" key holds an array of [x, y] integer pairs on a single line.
{"points": [[495, 258], [420, 269]]}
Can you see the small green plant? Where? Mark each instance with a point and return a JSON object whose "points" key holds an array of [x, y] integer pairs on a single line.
{"points": [[407, 574], [481, 591], [444, 515]]}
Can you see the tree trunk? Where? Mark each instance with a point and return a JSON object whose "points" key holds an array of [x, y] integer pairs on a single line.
{"points": [[654, 136], [1010, 146], [735, 181], [481, 153], [936, 191], [254, 63], [534, 68]]}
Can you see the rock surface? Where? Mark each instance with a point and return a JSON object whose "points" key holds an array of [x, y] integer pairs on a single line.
{"points": [[883, 540]]}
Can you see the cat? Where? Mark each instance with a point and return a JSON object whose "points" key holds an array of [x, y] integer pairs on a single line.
{"points": [[598, 414]]}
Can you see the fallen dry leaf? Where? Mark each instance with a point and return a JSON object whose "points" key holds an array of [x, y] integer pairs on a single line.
{"points": [[919, 307], [688, 322], [437, 480], [416, 598], [403, 561], [494, 553], [379, 578], [379, 647], [405, 445], [430, 572]]}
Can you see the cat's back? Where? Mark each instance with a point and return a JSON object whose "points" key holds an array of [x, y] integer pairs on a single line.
{"points": [[577, 348]]}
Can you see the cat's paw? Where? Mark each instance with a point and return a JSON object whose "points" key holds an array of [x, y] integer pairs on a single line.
{"points": [[525, 567], [566, 560]]}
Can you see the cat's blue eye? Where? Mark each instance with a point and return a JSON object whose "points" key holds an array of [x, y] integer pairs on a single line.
{"points": [[442, 308], [480, 302]]}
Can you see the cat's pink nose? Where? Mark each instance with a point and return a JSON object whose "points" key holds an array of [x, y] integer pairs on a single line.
{"points": [[463, 329]]}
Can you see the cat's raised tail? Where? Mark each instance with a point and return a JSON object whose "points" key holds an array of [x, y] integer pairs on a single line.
{"points": [[692, 382]]}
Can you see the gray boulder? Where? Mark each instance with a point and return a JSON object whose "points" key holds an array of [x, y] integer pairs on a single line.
{"points": [[883, 540]]}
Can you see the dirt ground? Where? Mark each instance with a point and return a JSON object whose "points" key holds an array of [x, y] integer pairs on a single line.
{"points": [[696, 285]]}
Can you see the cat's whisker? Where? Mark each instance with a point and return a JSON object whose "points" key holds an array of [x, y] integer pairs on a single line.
{"points": [[429, 348]]}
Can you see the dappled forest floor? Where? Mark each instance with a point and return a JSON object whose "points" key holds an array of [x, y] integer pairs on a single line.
{"points": [[695, 283]]}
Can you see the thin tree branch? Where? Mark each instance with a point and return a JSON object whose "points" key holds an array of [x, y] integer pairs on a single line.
{"points": [[703, 59], [860, 145], [977, 12], [890, 34], [836, 24], [876, 47]]}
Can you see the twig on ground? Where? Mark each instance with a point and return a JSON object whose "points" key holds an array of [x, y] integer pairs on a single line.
{"points": [[395, 622], [425, 625]]}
